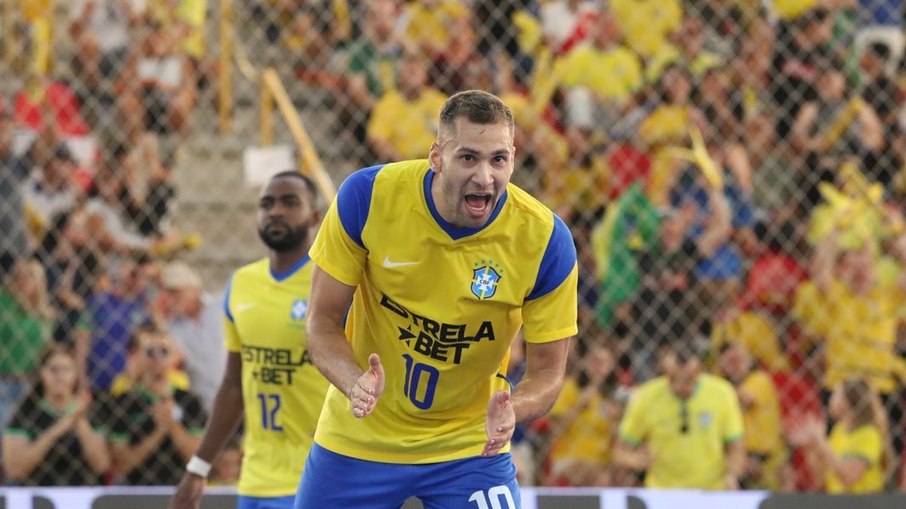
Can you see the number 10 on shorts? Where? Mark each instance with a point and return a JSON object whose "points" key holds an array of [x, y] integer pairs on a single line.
{"points": [[498, 496]]}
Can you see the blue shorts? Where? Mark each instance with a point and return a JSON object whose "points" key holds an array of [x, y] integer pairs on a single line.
{"points": [[334, 480], [246, 502]]}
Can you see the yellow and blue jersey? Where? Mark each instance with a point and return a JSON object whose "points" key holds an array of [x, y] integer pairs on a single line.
{"points": [[440, 305], [282, 390]]}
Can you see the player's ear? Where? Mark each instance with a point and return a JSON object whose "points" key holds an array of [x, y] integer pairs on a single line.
{"points": [[434, 157]]}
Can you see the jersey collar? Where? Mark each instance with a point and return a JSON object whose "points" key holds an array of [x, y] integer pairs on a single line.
{"points": [[456, 232], [282, 276]]}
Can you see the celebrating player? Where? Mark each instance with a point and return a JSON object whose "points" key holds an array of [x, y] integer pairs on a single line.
{"points": [[423, 273]]}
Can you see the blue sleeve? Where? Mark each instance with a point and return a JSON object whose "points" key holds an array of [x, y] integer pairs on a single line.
{"points": [[226, 300], [558, 261], [354, 201]]}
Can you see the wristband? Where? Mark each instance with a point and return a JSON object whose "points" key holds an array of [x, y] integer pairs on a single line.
{"points": [[198, 467]]}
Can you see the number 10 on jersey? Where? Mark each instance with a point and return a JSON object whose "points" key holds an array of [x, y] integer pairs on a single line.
{"points": [[417, 375]]}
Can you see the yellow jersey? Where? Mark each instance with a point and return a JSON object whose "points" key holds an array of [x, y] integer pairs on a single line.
{"points": [[282, 389], [589, 436], [408, 126], [440, 305], [864, 442], [688, 454]]}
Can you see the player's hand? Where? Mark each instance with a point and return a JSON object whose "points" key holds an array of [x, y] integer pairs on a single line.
{"points": [[368, 388], [500, 423], [188, 493]]}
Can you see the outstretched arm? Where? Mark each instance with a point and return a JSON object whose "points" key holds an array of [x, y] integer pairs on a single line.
{"points": [[331, 352]]}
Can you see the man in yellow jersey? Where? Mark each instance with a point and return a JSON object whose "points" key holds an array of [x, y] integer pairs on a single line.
{"points": [[424, 271], [269, 371], [683, 429]]}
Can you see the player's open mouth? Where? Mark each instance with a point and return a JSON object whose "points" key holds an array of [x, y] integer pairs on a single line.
{"points": [[478, 204]]}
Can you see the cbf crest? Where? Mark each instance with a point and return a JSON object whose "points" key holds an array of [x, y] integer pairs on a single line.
{"points": [[299, 310], [486, 277]]}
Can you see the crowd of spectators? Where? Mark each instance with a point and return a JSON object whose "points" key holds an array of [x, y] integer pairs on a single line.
{"points": [[733, 174]]}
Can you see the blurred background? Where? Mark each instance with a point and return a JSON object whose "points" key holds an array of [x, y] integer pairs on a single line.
{"points": [[733, 172]]}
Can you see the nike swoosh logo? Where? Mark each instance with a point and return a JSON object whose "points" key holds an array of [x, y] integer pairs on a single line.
{"points": [[244, 307], [389, 264]]}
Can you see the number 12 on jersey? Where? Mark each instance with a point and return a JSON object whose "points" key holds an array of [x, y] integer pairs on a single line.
{"points": [[270, 405], [412, 385]]}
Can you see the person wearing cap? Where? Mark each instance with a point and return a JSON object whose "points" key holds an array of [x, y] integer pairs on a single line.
{"points": [[195, 323]]}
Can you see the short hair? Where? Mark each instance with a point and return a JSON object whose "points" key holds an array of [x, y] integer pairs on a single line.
{"points": [[476, 106], [293, 174]]}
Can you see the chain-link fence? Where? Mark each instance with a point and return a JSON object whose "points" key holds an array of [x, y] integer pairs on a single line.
{"points": [[732, 171]]}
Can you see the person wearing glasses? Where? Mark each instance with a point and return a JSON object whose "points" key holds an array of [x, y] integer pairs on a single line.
{"points": [[155, 427], [683, 429]]}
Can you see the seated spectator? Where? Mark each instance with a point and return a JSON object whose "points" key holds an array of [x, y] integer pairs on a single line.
{"points": [[684, 429], [833, 128], [403, 121], [766, 452], [459, 66], [731, 324], [647, 23], [107, 212], [310, 41], [856, 455], [154, 428], [25, 326], [668, 125], [13, 174], [431, 25], [847, 310], [157, 90], [55, 437], [599, 78], [372, 61], [195, 321], [100, 30], [801, 48], [137, 363], [583, 421], [117, 307], [51, 190], [579, 188], [72, 268]]}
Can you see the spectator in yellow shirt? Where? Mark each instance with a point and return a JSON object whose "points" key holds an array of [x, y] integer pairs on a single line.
{"points": [[766, 452], [430, 24], [855, 456], [851, 313], [584, 421], [609, 70], [646, 23], [685, 429], [403, 122]]}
